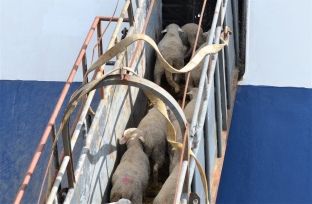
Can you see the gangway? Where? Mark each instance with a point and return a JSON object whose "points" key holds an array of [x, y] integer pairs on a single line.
{"points": [[85, 178]]}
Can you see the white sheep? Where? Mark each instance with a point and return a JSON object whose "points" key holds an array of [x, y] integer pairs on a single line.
{"points": [[130, 179], [154, 128], [172, 50], [188, 37], [195, 74], [190, 107], [167, 192], [174, 154]]}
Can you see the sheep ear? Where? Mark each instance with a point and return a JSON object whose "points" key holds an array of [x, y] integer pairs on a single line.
{"points": [[142, 139], [179, 29], [164, 31], [122, 140]]}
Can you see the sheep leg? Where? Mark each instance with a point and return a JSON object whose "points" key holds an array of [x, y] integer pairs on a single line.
{"points": [[171, 82], [155, 173], [137, 198], [158, 72], [190, 85]]}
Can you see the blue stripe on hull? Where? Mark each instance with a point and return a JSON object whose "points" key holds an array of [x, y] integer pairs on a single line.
{"points": [[269, 152], [25, 108]]}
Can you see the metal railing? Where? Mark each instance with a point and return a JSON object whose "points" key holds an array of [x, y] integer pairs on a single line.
{"points": [[50, 128], [219, 79]]}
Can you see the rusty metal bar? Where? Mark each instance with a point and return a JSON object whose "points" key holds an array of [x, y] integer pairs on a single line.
{"points": [[54, 114], [100, 52], [58, 179], [109, 18], [56, 162], [68, 152], [55, 152]]}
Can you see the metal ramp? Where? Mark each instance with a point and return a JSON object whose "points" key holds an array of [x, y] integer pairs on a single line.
{"points": [[85, 178]]}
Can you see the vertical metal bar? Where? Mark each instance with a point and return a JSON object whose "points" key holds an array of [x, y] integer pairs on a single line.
{"points": [[130, 14], [99, 35], [68, 152], [236, 30], [58, 180], [183, 178], [84, 70], [183, 175], [55, 151], [228, 71], [205, 67], [218, 110], [56, 163], [100, 52], [207, 159], [223, 89], [137, 3]]}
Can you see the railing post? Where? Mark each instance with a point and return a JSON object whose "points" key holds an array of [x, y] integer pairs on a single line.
{"points": [[100, 52], [84, 71], [68, 152], [130, 14]]}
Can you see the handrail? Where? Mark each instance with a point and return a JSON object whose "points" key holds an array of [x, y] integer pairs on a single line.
{"points": [[45, 135]]}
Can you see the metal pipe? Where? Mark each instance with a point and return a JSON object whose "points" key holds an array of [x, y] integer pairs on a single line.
{"points": [[204, 70], [207, 155], [236, 30], [181, 181], [54, 114], [58, 179], [223, 90], [203, 113], [218, 111], [218, 97], [68, 152], [109, 18], [228, 72]]}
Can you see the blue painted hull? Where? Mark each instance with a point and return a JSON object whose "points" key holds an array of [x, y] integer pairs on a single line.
{"points": [[25, 108], [268, 157]]}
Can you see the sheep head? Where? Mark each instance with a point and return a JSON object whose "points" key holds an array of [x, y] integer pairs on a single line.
{"points": [[193, 93], [131, 134]]}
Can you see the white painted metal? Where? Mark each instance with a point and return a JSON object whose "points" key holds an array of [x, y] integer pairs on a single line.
{"points": [[278, 45]]}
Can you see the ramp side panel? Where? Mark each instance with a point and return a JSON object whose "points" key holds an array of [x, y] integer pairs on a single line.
{"points": [[121, 108]]}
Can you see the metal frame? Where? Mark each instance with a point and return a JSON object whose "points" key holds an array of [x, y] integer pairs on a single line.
{"points": [[219, 69], [80, 59]]}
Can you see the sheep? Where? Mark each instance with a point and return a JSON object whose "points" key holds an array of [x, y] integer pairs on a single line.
{"points": [[167, 192], [130, 179], [172, 50], [175, 155], [195, 74], [154, 128], [189, 108], [188, 37]]}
